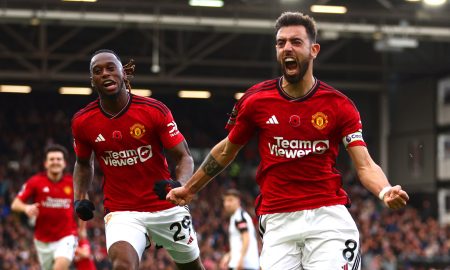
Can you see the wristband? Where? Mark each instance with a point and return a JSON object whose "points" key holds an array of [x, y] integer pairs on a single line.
{"points": [[383, 192]]}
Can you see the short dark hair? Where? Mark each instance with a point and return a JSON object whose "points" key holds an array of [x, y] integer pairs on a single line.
{"points": [[106, 51], [233, 192], [298, 18], [56, 148], [103, 51]]}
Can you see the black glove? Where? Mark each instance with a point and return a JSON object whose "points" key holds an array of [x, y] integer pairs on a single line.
{"points": [[163, 187], [85, 209]]}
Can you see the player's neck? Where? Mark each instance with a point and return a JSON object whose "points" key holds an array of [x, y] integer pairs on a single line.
{"points": [[54, 177], [300, 88], [114, 106]]}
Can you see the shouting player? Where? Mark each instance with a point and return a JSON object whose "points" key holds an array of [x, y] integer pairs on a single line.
{"points": [[52, 208], [300, 121], [128, 135]]}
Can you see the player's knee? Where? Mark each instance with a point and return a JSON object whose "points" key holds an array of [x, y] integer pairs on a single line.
{"points": [[123, 256], [61, 263], [194, 265], [124, 264]]}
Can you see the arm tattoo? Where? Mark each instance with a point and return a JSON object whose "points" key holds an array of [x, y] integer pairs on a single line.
{"points": [[211, 166]]}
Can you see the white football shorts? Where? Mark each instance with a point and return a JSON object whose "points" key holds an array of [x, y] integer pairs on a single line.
{"points": [[47, 252], [171, 228], [317, 239]]}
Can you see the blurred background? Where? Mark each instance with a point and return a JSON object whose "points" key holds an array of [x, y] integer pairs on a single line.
{"points": [[392, 57]]}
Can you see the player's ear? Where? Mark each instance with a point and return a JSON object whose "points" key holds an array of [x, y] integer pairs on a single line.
{"points": [[315, 49]]}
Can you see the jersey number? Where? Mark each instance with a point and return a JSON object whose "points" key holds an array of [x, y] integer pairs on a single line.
{"points": [[185, 223], [349, 252]]}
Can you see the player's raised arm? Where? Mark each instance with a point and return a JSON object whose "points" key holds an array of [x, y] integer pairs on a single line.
{"points": [[374, 179], [218, 159]]}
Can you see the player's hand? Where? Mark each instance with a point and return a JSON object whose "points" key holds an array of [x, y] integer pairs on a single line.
{"points": [[240, 265], [223, 264], [163, 187], [32, 210], [396, 198], [85, 209], [180, 196]]}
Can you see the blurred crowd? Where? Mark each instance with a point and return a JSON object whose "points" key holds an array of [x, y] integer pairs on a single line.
{"points": [[390, 239]]}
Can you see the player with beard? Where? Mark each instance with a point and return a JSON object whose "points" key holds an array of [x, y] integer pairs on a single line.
{"points": [[129, 135], [51, 193], [300, 122]]}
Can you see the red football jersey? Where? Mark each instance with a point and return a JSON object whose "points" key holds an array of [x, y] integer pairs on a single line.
{"points": [[56, 215], [84, 263], [130, 150], [298, 141]]}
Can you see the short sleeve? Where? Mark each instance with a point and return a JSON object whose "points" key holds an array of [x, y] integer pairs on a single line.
{"points": [[240, 126], [81, 147], [240, 222], [351, 126], [26, 191], [168, 130]]}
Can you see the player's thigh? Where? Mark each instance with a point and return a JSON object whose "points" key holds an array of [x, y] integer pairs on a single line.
{"points": [[127, 227], [284, 256], [334, 253], [334, 244], [65, 248], [174, 231], [45, 254], [61, 263], [280, 250]]}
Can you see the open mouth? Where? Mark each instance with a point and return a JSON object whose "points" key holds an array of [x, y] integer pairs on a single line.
{"points": [[290, 64], [109, 85]]}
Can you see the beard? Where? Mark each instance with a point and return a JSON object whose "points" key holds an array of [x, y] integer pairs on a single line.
{"points": [[105, 95], [293, 79]]}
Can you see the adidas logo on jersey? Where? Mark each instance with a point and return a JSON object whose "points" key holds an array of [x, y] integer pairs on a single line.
{"points": [[272, 120], [100, 138]]}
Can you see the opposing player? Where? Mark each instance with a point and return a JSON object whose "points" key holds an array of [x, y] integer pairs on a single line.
{"points": [[51, 196], [243, 253], [128, 135], [300, 121]]}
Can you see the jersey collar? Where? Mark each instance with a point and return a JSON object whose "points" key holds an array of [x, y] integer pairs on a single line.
{"points": [[293, 99], [124, 110]]}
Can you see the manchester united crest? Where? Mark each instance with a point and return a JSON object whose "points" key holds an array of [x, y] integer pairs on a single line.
{"points": [[319, 120], [137, 130]]}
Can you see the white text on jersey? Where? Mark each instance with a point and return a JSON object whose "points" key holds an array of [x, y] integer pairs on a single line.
{"points": [[297, 148], [174, 129], [127, 157], [57, 203]]}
